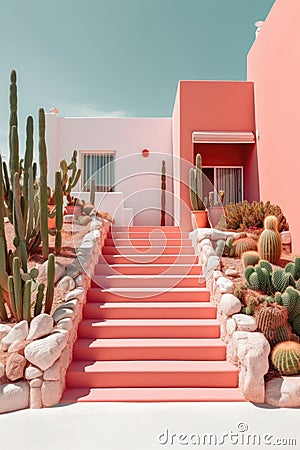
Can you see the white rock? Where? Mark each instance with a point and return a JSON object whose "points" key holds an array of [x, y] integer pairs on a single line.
{"points": [[4, 330], [250, 351], [51, 393], [53, 372], [232, 273], [210, 265], [60, 271], [40, 326], [62, 313], [14, 396], [230, 326], [32, 372], [95, 225], [225, 285], [66, 283], [217, 274], [65, 324], [204, 242], [43, 352], [74, 269], [78, 293], [2, 370], [36, 383], [283, 392], [230, 304], [18, 333], [92, 236], [245, 322], [79, 281]]}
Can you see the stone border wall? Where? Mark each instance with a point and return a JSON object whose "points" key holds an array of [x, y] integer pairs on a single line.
{"points": [[38, 357], [247, 349]]}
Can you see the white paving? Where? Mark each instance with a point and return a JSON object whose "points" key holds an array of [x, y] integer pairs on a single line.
{"points": [[137, 426]]}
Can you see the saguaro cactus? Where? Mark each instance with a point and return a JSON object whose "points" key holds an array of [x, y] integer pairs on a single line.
{"points": [[43, 185], [58, 197]]}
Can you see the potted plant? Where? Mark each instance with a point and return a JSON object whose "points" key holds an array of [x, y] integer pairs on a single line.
{"points": [[216, 209], [199, 211]]}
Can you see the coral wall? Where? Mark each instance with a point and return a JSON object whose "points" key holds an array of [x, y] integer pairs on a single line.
{"points": [[274, 66]]}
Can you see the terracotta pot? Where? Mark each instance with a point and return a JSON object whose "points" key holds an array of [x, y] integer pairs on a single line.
{"points": [[215, 213], [199, 219], [73, 210]]}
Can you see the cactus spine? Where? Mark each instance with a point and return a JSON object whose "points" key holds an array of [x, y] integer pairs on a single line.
{"points": [[43, 185], [196, 188], [269, 244], [286, 357], [163, 194]]}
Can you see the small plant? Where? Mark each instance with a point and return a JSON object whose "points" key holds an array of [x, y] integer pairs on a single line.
{"points": [[269, 244], [285, 357], [250, 258]]}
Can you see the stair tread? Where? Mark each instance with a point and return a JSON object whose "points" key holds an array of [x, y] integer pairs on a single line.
{"points": [[152, 289], [121, 343], [153, 395], [149, 322], [151, 305], [151, 366], [147, 277]]}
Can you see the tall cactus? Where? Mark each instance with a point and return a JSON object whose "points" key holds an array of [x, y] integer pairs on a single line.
{"points": [[50, 283], [163, 194], [13, 126], [58, 197], [69, 181], [196, 187], [43, 185], [269, 244], [92, 192]]}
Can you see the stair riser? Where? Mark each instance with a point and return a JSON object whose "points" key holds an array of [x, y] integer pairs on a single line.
{"points": [[110, 283], [148, 242], [145, 251], [151, 269], [148, 313], [149, 259], [146, 353], [95, 295], [138, 332], [146, 229], [152, 379], [143, 235]]}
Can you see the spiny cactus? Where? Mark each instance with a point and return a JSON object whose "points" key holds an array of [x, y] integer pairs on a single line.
{"points": [[225, 248], [269, 244], [163, 194], [285, 357], [43, 185], [50, 283], [69, 181], [244, 245], [251, 300], [270, 317], [250, 258], [281, 280], [294, 268], [58, 196], [259, 279], [196, 188]]}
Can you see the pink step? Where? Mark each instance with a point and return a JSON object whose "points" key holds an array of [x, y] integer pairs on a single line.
{"points": [[142, 281], [166, 250], [145, 229], [150, 349], [149, 328], [147, 242], [147, 294], [165, 394], [151, 269], [150, 259], [154, 310], [145, 235], [137, 374]]}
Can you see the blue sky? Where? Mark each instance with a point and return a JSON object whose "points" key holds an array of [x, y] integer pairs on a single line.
{"points": [[119, 57]]}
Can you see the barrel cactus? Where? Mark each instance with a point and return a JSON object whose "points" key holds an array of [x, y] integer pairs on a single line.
{"points": [[269, 244], [269, 317], [250, 258], [285, 357], [244, 245]]}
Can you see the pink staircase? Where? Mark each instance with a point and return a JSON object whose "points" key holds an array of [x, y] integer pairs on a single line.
{"points": [[149, 332]]}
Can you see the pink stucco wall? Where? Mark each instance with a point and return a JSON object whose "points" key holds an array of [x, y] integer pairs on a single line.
{"points": [[274, 66], [215, 106], [138, 178]]}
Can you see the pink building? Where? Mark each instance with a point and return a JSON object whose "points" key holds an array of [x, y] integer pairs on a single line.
{"points": [[241, 129]]}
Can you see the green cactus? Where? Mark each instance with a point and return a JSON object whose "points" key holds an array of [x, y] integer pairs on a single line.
{"points": [[69, 181], [43, 185], [269, 317], [281, 280], [58, 197], [50, 283], [285, 357], [196, 188], [243, 245], [3, 312], [250, 258], [39, 299], [269, 244], [294, 268]]}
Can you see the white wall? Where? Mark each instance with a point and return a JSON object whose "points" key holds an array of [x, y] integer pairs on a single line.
{"points": [[137, 177]]}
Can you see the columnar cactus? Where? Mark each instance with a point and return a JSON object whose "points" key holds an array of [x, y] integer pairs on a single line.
{"points": [[269, 244], [58, 197], [196, 188], [69, 181], [43, 185], [50, 283], [285, 357]]}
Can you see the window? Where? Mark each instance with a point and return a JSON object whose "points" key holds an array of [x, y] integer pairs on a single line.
{"points": [[99, 166], [228, 179]]}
